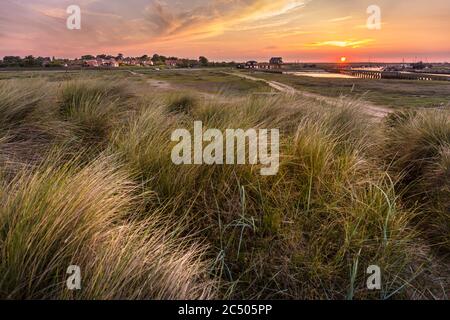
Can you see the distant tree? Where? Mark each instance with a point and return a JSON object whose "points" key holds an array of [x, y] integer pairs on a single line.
{"points": [[119, 56], [186, 63], [87, 57], [29, 61], [223, 64], [203, 61], [102, 56], [157, 59], [12, 61], [40, 60], [144, 57]]}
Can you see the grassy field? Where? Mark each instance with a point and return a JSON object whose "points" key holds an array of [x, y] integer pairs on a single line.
{"points": [[389, 93], [208, 81], [211, 81], [87, 179]]}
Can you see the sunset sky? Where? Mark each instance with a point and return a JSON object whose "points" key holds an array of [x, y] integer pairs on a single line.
{"points": [[298, 30]]}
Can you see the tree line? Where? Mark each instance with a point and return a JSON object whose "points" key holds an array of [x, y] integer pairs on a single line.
{"points": [[31, 61]]}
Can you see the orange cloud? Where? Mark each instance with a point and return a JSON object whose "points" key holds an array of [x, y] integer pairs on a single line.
{"points": [[342, 43], [218, 17]]}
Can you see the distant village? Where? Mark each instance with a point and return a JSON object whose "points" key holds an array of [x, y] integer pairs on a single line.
{"points": [[109, 61], [102, 61], [273, 64]]}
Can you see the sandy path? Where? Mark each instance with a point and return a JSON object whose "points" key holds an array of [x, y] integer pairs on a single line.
{"points": [[164, 85], [273, 84], [371, 109]]}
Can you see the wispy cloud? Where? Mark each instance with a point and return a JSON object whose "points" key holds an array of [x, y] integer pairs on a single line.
{"points": [[340, 19], [342, 43], [219, 16]]}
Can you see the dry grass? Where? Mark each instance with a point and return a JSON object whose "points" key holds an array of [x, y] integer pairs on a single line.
{"points": [[18, 99], [419, 148], [142, 228], [71, 215]]}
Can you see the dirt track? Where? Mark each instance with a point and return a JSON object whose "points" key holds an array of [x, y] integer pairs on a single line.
{"points": [[372, 110], [164, 85]]}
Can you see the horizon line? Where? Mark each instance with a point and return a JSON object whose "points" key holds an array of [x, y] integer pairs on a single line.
{"points": [[248, 59]]}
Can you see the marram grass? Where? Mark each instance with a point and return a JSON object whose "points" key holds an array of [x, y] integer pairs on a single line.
{"points": [[111, 201]]}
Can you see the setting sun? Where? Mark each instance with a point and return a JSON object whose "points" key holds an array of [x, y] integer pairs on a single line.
{"points": [[343, 59]]}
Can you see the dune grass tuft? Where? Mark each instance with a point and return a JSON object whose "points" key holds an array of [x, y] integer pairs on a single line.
{"points": [[55, 217], [419, 148], [18, 99], [182, 103]]}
